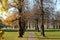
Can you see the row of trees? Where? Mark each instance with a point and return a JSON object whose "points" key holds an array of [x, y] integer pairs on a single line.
{"points": [[41, 13]]}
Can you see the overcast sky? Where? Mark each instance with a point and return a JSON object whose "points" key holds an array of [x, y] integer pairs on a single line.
{"points": [[58, 5], [31, 4]]}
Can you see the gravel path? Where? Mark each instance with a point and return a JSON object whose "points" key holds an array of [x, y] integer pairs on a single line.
{"points": [[32, 36]]}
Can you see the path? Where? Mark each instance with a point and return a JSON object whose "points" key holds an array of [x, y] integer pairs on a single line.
{"points": [[32, 36]]}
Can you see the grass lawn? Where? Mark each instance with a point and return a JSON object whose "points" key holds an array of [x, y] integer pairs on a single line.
{"points": [[14, 36], [50, 35]]}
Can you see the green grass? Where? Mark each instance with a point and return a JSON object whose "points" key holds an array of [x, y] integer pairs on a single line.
{"points": [[14, 36], [50, 35]]}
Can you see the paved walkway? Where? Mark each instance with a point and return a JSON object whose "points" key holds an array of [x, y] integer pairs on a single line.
{"points": [[32, 36]]}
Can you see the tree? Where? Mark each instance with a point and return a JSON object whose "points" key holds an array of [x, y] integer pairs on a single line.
{"points": [[43, 11], [42, 26], [21, 20], [4, 4], [57, 20], [18, 5]]}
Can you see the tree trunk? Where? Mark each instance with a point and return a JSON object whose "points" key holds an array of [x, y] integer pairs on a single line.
{"points": [[59, 25], [42, 26], [37, 28], [53, 23], [42, 30], [20, 28], [29, 25], [21, 31]]}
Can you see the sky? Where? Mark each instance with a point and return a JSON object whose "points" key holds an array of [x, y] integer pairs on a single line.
{"points": [[31, 4], [58, 5]]}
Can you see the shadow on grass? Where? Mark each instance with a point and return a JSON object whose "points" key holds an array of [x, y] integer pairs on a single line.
{"points": [[10, 30], [32, 30], [49, 38], [41, 37], [45, 30]]}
